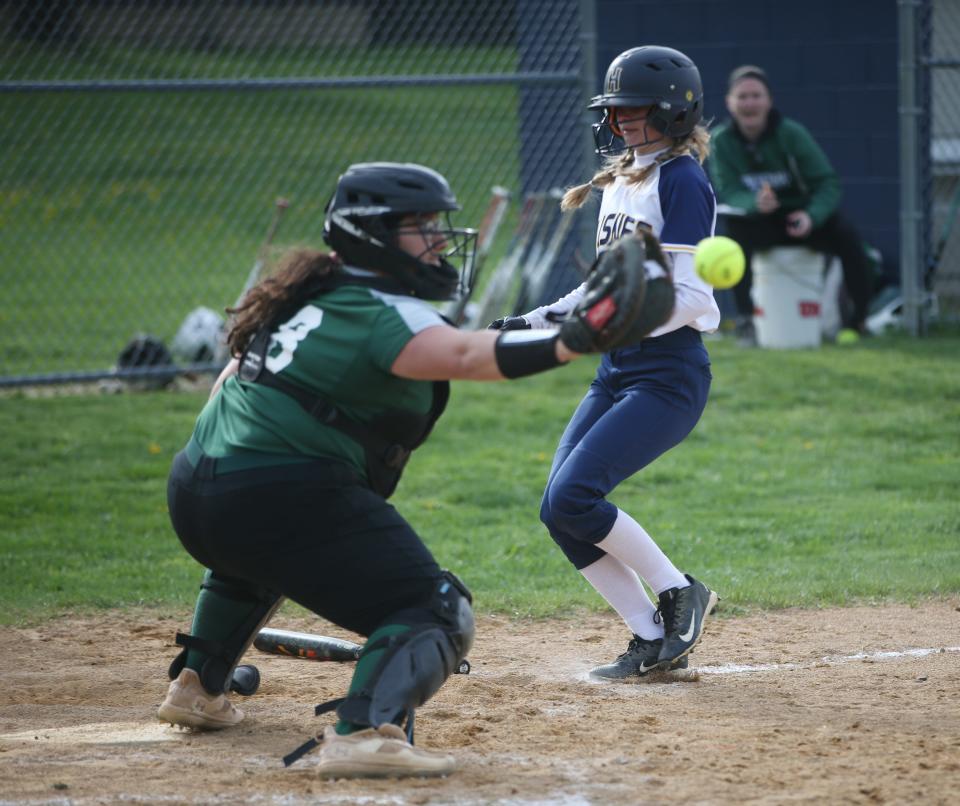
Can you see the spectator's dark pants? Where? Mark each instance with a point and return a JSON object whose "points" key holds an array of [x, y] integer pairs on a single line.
{"points": [[836, 236]]}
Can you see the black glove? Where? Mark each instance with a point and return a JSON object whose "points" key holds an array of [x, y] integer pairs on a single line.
{"points": [[509, 323], [614, 311], [659, 298]]}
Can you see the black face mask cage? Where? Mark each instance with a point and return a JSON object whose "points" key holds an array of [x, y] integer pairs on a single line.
{"points": [[609, 143], [606, 141], [460, 253]]}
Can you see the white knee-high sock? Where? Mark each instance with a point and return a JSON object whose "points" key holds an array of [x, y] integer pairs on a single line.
{"points": [[624, 592], [629, 542]]}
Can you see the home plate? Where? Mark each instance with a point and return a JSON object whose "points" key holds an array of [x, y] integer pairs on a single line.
{"points": [[96, 733]]}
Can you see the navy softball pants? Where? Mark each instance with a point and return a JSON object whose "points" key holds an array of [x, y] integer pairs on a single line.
{"points": [[642, 402]]}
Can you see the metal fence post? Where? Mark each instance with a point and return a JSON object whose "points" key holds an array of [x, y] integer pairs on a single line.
{"points": [[911, 217], [588, 52]]}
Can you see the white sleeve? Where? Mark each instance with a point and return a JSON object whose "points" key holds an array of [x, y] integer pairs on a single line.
{"points": [[551, 316], [695, 305]]}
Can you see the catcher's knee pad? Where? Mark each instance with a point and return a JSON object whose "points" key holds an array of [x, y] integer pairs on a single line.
{"points": [[416, 662], [217, 672], [452, 602]]}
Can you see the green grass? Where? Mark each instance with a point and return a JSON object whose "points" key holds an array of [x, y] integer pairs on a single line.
{"points": [[31, 62], [814, 478], [122, 211]]}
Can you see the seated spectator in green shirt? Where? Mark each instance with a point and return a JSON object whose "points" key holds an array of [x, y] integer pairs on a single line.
{"points": [[780, 189]]}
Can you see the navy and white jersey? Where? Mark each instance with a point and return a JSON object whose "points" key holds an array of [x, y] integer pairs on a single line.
{"points": [[677, 204]]}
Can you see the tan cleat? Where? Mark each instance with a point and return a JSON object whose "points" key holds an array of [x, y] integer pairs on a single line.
{"points": [[189, 704], [382, 752]]}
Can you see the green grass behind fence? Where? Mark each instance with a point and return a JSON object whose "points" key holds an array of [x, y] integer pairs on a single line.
{"points": [[814, 478], [120, 212]]}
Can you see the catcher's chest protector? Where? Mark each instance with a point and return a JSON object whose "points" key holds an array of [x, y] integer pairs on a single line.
{"points": [[387, 441]]}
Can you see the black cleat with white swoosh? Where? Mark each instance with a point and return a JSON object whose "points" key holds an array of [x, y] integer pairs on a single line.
{"points": [[641, 658], [684, 611]]}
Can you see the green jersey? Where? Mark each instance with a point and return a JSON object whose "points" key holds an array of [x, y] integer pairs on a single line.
{"points": [[339, 346], [786, 157]]}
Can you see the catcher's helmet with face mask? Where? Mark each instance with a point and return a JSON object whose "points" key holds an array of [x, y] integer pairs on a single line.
{"points": [[661, 78], [363, 216]]}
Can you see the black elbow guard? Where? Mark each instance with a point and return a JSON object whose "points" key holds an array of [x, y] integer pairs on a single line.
{"points": [[526, 352]]}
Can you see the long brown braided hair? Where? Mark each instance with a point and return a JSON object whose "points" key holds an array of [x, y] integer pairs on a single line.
{"points": [[299, 274], [696, 144]]}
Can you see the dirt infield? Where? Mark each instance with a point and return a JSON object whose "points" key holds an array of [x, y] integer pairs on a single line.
{"points": [[860, 705]]}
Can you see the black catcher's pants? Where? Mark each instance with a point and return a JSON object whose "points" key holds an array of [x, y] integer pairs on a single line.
{"points": [[311, 532]]}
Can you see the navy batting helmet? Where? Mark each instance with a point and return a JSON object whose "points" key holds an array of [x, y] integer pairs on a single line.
{"points": [[662, 78]]}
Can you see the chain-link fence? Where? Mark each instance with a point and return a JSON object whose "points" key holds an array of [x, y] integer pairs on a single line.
{"points": [[944, 78], [145, 143]]}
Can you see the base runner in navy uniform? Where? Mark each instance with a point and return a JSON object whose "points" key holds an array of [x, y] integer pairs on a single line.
{"points": [[645, 398], [340, 370]]}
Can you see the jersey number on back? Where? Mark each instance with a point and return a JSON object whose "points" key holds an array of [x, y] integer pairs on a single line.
{"points": [[289, 335]]}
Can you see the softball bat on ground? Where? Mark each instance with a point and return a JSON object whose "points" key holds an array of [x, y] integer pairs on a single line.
{"points": [[317, 647], [306, 645]]}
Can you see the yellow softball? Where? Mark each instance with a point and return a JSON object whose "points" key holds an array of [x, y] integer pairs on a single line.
{"points": [[719, 261]]}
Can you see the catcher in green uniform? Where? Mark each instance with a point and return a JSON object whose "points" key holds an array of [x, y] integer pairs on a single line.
{"points": [[340, 369]]}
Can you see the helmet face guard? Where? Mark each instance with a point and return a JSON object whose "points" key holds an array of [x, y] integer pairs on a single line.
{"points": [[664, 80], [608, 136], [362, 225], [459, 248]]}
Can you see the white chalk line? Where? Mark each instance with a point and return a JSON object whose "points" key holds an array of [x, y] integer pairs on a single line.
{"points": [[691, 674], [829, 660]]}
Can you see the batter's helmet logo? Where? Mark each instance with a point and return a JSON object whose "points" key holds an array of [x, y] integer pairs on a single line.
{"points": [[613, 80]]}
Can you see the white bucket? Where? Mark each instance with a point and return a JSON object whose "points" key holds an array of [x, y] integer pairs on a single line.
{"points": [[787, 294], [831, 315]]}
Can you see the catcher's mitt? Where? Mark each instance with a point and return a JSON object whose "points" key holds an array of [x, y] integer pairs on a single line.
{"points": [[622, 303]]}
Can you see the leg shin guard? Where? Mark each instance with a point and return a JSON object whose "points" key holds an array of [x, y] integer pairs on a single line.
{"points": [[420, 649], [217, 674]]}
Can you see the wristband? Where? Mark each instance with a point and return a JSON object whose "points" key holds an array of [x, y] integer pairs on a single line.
{"points": [[526, 352]]}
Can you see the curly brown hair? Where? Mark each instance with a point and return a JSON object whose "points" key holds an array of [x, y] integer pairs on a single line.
{"points": [[300, 274]]}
